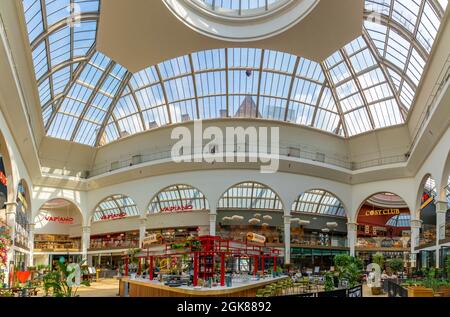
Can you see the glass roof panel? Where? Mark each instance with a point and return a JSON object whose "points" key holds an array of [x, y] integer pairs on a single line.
{"points": [[119, 206], [250, 196], [178, 198], [402, 220], [369, 83], [319, 202]]}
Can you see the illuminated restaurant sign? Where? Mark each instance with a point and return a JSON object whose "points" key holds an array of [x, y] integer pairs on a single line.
{"points": [[113, 216], [3, 179], [382, 212], [177, 208], [253, 237], [150, 239], [61, 220]]}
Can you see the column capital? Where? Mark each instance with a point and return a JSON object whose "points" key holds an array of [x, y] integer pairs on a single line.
{"points": [[416, 223], [86, 229], [287, 219], [142, 221], [441, 206], [352, 226], [31, 226], [11, 207]]}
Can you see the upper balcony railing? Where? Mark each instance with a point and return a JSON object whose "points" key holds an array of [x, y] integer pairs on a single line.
{"points": [[286, 152], [443, 78]]}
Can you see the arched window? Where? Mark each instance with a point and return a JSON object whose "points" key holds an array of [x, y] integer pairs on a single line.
{"points": [[319, 202], [250, 196], [178, 198], [115, 207]]}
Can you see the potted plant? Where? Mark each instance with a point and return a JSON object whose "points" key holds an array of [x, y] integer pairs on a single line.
{"points": [[329, 281], [396, 265], [427, 287], [378, 258], [348, 268], [56, 281]]}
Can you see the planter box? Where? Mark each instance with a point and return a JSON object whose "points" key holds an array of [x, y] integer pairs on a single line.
{"points": [[376, 291], [445, 291], [419, 291]]}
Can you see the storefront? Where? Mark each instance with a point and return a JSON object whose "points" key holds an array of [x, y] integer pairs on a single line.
{"points": [[384, 226], [21, 234], [235, 226], [111, 241], [251, 210], [171, 235], [57, 232], [311, 260]]}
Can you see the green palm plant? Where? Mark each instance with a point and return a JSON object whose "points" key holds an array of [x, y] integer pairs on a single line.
{"points": [[56, 282]]}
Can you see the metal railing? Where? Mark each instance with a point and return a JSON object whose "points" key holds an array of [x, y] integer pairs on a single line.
{"points": [[394, 289], [286, 152], [443, 78]]}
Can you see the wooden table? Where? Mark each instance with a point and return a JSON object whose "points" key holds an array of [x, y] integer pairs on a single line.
{"points": [[140, 288]]}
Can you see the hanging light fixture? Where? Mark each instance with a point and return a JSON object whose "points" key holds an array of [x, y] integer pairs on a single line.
{"points": [[267, 217], [254, 221]]}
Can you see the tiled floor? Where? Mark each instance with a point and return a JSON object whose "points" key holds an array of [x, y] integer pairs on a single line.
{"points": [[103, 288], [368, 293]]}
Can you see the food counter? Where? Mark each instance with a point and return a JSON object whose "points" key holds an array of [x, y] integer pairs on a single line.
{"points": [[147, 288]]}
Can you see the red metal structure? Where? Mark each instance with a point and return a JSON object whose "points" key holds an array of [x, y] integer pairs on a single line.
{"points": [[205, 254]]}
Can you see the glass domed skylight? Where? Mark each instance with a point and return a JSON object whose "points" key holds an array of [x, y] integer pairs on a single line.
{"points": [[241, 7], [368, 84]]}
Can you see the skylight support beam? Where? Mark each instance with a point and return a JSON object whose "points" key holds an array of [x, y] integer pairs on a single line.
{"points": [[135, 99], [316, 108], [258, 96], [93, 16], [194, 83], [97, 88], [405, 33], [227, 96], [47, 46], [358, 85], [336, 99], [291, 87], [386, 74], [62, 66], [410, 51], [111, 108], [69, 86], [163, 88]]}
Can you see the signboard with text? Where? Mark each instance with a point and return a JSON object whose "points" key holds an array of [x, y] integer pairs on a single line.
{"points": [[177, 208]]}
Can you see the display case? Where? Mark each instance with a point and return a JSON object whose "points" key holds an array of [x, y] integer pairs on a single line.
{"points": [[54, 242], [123, 240]]}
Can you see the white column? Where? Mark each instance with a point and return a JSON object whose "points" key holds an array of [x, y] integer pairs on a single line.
{"points": [[287, 239], [31, 229], [351, 237], [85, 241], [212, 221], [142, 230], [416, 224], [441, 211], [11, 209]]}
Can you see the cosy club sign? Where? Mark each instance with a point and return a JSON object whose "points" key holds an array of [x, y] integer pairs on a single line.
{"points": [[382, 212]]}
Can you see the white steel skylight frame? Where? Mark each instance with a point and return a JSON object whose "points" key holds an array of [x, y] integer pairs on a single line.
{"points": [[368, 84], [318, 201], [240, 7], [115, 205], [250, 196], [178, 196], [402, 220]]}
